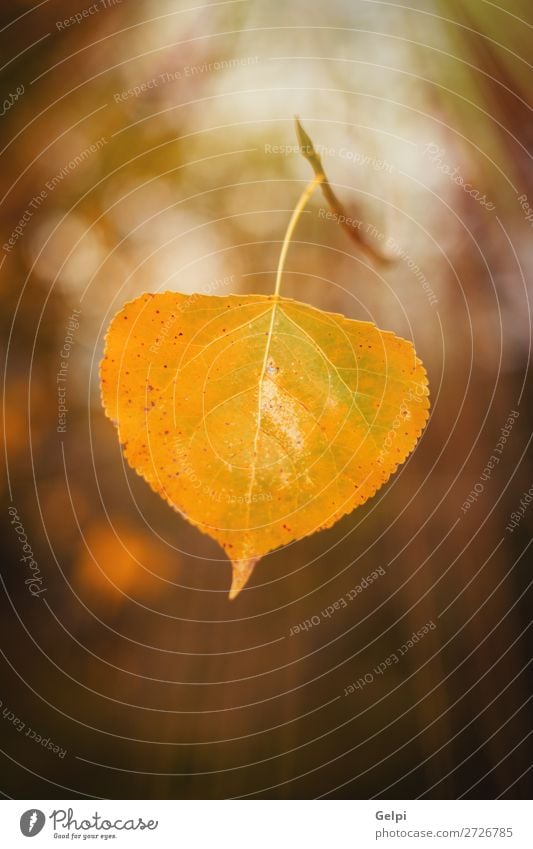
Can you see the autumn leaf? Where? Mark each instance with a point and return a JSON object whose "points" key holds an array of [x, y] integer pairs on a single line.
{"points": [[261, 419]]}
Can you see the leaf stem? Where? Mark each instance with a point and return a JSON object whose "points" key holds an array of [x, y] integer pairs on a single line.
{"points": [[299, 208]]}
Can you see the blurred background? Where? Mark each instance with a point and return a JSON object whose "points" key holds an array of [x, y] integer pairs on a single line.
{"points": [[150, 146]]}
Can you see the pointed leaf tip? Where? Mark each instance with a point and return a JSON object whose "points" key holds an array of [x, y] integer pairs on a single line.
{"points": [[241, 573]]}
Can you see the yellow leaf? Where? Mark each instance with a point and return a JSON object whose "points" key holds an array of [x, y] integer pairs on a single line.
{"points": [[260, 419]]}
